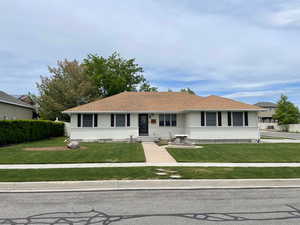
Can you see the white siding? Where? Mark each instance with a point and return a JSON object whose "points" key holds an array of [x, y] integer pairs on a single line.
{"points": [[187, 123], [165, 132], [195, 131], [104, 130]]}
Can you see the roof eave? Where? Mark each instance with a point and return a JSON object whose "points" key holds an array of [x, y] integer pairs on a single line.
{"points": [[162, 111], [12, 103]]}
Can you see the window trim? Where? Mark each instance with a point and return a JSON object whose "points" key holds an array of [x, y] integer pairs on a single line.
{"points": [[80, 115], [113, 116], [164, 120], [216, 115], [244, 119]]}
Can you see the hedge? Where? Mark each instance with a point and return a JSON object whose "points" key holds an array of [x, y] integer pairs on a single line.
{"points": [[18, 131]]}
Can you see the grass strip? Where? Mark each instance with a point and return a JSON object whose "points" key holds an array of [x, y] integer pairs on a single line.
{"points": [[132, 173]]}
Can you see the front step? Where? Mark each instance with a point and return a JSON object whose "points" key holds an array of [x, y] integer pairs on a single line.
{"points": [[147, 139]]}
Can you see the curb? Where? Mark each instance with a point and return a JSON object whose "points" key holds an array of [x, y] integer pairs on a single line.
{"points": [[121, 185]]}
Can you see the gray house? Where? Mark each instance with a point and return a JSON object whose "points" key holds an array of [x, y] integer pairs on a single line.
{"points": [[267, 115], [12, 108]]}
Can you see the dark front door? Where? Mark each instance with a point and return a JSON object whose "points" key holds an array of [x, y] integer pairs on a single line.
{"points": [[143, 125]]}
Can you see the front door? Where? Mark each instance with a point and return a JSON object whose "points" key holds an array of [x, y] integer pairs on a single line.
{"points": [[143, 125]]}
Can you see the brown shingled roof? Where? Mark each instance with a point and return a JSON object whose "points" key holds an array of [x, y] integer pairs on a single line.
{"points": [[160, 102]]}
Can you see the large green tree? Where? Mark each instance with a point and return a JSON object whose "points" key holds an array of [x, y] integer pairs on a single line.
{"points": [[68, 86], [115, 74], [286, 112]]}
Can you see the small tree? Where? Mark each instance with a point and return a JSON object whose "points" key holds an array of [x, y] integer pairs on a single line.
{"points": [[188, 90], [286, 112]]}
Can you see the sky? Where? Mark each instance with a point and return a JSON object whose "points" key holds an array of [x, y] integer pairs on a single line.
{"points": [[245, 50]]}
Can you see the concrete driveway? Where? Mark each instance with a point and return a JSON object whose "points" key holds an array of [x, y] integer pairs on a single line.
{"points": [[295, 136]]}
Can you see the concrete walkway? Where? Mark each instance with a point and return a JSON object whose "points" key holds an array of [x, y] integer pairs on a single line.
{"points": [[155, 154], [105, 165], [56, 186]]}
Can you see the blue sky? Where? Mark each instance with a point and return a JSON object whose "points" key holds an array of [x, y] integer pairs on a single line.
{"points": [[246, 50]]}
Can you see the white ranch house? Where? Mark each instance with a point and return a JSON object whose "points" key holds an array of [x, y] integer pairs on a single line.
{"points": [[163, 115]]}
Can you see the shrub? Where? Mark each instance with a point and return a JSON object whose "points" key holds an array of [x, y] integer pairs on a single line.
{"points": [[17, 131]]}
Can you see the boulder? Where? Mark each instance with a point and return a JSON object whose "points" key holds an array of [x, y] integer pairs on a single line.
{"points": [[73, 145]]}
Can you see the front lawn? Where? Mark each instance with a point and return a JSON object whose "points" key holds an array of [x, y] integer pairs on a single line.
{"points": [[238, 153], [94, 152], [131, 173]]}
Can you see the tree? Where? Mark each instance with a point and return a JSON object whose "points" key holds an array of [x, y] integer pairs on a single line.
{"points": [[286, 112], [68, 86], [115, 74], [147, 87], [188, 90]]}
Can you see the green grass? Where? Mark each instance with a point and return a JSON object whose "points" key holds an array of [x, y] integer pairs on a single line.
{"points": [[95, 152], [239, 153], [132, 173]]}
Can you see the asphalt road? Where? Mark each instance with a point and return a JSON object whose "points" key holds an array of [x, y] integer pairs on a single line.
{"points": [[226, 207], [281, 134]]}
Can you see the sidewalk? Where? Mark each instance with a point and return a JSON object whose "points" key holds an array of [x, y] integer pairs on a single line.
{"points": [[109, 185], [155, 154], [102, 165]]}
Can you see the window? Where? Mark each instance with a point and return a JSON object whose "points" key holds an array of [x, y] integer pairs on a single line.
{"points": [[202, 119], [112, 120], [128, 120], [211, 119], [95, 120], [161, 120], [120, 120], [167, 120], [87, 120], [78, 120], [174, 120], [246, 118], [229, 118], [237, 118], [219, 119]]}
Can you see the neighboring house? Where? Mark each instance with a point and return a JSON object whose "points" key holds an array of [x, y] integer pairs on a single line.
{"points": [[164, 115], [267, 115], [12, 108]]}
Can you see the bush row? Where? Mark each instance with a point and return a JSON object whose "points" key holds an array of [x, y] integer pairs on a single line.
{"points": [[17, 131]]}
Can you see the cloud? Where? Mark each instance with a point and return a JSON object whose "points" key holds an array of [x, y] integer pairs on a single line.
{"points": [[220, 47], [287, 17]]}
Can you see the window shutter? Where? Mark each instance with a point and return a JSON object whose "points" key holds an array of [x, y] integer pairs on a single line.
{"points": [[219, 119], [112, 120], [202, 119], [95, 120], [246, 118], [128, 120], [229, 118], [78, 120]]}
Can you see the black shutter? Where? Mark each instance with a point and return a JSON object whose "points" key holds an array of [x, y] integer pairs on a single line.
{"points": [[246, 118], [219, 119], [202, 119], [128, 120], [95, 120], [112, 120], [229, 118], [78, 120]]}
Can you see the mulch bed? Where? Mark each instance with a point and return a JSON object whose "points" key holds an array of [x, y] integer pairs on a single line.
{"points": [[55, 148]]}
